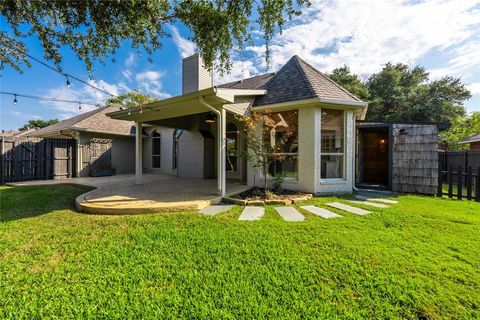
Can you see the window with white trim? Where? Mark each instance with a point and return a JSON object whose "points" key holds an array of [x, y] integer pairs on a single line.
{"points": [[280, 137], [156, 147], [332, 144]]}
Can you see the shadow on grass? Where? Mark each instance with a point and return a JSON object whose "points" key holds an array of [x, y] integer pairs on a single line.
{"points": [[26, 202]]}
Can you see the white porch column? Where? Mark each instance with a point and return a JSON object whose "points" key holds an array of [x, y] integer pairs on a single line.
{"points": [[224, 151], [138, 153]]}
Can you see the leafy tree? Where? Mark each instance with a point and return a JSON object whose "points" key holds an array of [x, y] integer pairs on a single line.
{"points": [[351, 82], [94, 30], [462, 127], [38, 124], [131, 99], [398, 92]]}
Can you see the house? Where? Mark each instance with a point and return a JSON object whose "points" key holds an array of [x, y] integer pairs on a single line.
{"points": [[473, 140], [101, 142], [198, 134], [16, 133]]}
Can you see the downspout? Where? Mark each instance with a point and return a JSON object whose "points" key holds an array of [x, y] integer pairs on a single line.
{"points": [[220, 172], [354, 177]]}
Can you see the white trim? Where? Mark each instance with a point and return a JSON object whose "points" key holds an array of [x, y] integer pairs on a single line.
{"points": [[306, 102]]}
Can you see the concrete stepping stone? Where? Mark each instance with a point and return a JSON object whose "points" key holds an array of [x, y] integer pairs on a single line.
{"points": [[360, 197], [321, 212], [369, 203], [346, 207], [252, 213], [289, 214], [216, 209]]}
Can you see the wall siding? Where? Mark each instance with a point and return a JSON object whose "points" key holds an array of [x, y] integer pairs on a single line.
{"points": [[415, 158]]}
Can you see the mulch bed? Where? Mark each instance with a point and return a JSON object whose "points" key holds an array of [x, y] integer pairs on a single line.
{"points": [[258, 196]]}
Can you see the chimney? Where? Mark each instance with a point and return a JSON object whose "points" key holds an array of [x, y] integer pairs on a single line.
{"points": [[194, 76]]}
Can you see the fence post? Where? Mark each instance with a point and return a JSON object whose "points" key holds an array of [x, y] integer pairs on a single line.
{"points": [[468, 180], [450, 181], [459, 183], [440, 182], [477, 186]]}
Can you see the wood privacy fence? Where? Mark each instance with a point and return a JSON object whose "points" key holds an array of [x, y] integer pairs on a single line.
{"points": [[459, 183], [26, 159], [463, 159]]}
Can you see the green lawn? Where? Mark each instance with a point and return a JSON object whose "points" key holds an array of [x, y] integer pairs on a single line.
{"points": [[417, 259]]}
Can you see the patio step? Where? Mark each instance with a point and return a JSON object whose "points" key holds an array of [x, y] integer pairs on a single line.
{"points": [[346, 207], [369, 203], [216, 209], [383, 200], [252, 213], [321, 212], [289, 214]]}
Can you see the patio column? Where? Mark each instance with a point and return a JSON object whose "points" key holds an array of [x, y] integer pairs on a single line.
{"points": [[223, 146], [138, 153]]}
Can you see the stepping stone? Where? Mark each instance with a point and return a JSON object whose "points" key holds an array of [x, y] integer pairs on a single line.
{"points": [[368, 203], [216, 209], [252, 213], [346, 207], [360, 197], [289, 214], [321, 212]]}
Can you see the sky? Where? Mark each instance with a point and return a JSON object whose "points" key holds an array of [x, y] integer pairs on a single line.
{"points": [[442, 36]]}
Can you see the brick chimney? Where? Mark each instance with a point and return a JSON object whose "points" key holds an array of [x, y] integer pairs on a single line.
{"points": [[194, 76]]}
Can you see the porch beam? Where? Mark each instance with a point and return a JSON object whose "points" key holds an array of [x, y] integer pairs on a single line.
{"points": [[138, 153]]}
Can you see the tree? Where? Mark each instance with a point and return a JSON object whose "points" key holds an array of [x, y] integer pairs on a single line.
{"points": [[461, 127], [131, 99], [37, 124], [351, 82], [401, 93], [94, 30]]}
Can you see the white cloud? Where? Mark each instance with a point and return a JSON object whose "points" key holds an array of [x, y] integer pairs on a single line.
{"points": [[25, 116], [240, 70], [130, 61], [127, 74], [366, 34], [185, 47], [150, 82], [474, 88]]}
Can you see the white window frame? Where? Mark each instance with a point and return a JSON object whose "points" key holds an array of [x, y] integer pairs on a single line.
{"points": [[159, 155], [344, 163]]}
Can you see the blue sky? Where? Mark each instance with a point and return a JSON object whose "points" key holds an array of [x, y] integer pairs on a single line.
{"points": [[443, 36]]}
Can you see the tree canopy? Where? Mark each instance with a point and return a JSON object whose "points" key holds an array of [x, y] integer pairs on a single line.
{"points": [[402, 93], [461, 127], [37, 124], [94, 30], [131, 99]]}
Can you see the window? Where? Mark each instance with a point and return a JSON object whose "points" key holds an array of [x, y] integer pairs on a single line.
{"points": [[156, 147], [280, 136], [332, 144], [232, 147]]}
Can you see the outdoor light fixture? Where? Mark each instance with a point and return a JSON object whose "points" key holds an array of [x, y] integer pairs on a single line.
{"points": [[382, 141], [15, 99], [210, 118], [68, 82]]}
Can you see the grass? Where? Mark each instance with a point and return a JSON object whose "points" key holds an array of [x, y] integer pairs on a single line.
{"points": [[417, 259]]}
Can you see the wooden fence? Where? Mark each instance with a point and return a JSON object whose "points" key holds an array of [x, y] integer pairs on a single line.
{"points": [[26, 159], [459, 183], [464, 159]]}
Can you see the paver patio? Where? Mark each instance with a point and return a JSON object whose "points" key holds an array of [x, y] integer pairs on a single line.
{"points": [[159, 193]]}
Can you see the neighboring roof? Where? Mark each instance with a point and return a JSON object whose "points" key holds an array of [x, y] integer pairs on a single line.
{"points": [[473, 138], [95, 120], [298, 80], [15, 133], [254, 83]]}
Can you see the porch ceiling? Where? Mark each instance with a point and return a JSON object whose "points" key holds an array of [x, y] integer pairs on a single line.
{"points": [[183, 105]]}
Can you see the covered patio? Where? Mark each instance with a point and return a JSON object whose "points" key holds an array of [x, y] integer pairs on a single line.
{"points": [[158, 193]]}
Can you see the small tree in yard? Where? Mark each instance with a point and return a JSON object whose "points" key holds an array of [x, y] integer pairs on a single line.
{"points": [[260, 154]]}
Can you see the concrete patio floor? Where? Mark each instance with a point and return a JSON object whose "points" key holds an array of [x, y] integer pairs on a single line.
{"points": [[159, 193]]}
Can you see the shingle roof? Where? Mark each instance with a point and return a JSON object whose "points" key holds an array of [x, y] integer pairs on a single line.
{"points": [[95, 120], [473, 138], [253, 83], [298, 80]]}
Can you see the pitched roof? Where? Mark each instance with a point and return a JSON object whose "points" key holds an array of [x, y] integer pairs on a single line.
{"points": [[473, 138], [95, 120], [253, 83], [298, 80]]}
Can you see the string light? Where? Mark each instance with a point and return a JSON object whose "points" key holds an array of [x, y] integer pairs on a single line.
{"points": [[129, 112], [79, 106], [15, 95], [68, 82], [15, 100]]}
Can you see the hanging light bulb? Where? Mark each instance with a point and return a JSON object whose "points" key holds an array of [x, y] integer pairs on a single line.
{"points": [[15, 99], [141, 110], [68, 82], [129, 112], [79, 106]]}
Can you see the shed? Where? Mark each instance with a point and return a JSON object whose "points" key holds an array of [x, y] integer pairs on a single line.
{"points": [[397, 156]]}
